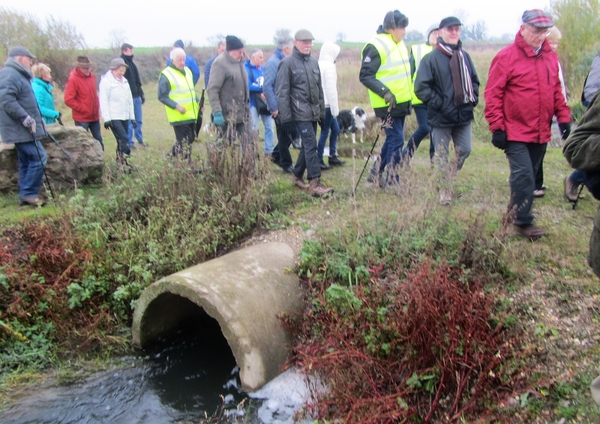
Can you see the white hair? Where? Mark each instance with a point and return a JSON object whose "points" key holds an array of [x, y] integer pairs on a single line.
{"points": [[175, 53]]}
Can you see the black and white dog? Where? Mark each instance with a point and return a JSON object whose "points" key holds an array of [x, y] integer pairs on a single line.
{"points": [[351, 121]]}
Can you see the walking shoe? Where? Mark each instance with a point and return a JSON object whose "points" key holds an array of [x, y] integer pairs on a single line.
{"points": [[142, 144], [289, 170], [371, 178], [570, 190], [539, 193], [531, 231], [445, 197], [324, 166], [335, 161], [317, 189], [31, 201], [299, 182]]}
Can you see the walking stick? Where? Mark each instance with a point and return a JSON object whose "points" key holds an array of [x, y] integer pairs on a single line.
{"points": [[578, 195], [383, 124], [43, 166]]}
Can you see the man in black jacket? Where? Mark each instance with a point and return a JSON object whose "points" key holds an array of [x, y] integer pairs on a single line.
{"points": [[301, 104], [448, 84], [135, 84]]}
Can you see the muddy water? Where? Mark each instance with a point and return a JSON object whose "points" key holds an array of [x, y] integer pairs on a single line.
{"points": [[179, 379]]}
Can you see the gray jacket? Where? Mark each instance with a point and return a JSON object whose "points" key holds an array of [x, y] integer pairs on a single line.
{"points": [[17, 100], [592, 82], [299, 88], [228, 90]]}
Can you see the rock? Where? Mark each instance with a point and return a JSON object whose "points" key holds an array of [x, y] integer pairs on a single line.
{"points": [[85, 167]]}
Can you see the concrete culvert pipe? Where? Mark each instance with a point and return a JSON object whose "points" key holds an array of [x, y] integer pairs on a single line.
{"points": [[245, 292]]}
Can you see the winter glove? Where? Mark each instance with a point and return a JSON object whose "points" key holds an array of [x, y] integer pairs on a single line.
{"points": [[391, 99], [59, 119], [143, 98], [499, 139], [565, 129], [107, 125], [29, 122], [133, 123], [218, 119]]}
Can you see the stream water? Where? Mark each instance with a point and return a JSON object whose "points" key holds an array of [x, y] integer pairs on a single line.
{"points": [[175, 380]]}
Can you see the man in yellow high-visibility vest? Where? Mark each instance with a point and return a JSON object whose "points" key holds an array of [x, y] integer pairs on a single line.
{"points": [[176, 91], [385, 71]]}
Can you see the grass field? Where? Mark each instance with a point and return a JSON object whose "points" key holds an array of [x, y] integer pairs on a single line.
{"points": [[556, 297]]}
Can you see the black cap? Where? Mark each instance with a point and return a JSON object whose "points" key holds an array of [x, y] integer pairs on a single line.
{"points": [[450, 21], [178, 43], [233, 43]]}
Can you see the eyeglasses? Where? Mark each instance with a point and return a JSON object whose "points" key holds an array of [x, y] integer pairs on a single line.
{"points": [[538, 31]]}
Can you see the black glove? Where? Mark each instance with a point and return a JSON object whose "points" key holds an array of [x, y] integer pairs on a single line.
{"points": [[107, 125], [391, 99], [143, 98], [59, 119], [499, 139], [133, 123], [565, 129]]}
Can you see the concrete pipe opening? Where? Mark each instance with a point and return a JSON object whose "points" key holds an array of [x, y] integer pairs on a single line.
{"points": [[244, 291]]}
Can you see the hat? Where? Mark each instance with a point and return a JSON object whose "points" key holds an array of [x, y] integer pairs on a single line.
{"points": [[394, 19], [83, 62], [233, 43], [537, 18], [449, 21], [178, 43], [117, 63], [20, 51], [303, 35], [431, 29]]}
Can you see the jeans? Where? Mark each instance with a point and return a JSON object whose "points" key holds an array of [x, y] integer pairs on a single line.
{"points": [[119, 129], [269, 124], [524, 160], [94, 128], [137, 111], [391, 151], [422, 131], [578, 177], [308, 158], [32, 160], [461, 137], [281, 152], [329, 124]]}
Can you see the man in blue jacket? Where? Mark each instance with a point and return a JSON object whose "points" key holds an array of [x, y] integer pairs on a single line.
{"points": [[190, 62], [21, 123]]}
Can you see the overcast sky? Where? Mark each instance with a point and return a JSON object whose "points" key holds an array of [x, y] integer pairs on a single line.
{"points": [[155, 23]]}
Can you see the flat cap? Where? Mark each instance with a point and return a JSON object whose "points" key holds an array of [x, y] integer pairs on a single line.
{"points": [[450, 21], [20, 51], [537, 18], [303, 35]]}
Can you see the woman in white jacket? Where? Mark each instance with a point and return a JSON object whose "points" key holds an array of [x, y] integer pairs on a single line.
{"points": [[328, 55], [116, 106]]}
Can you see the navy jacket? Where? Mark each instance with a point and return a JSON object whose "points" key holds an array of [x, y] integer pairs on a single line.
{"points": [[17, 100]]}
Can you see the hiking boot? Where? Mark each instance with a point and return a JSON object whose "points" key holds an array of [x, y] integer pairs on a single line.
{"points": [[289, 170], [570, 190], [335, 161], [531, 231], [324, 166], [539, 193], [445, 197], [299, 182], [317, 189], [32, 201]]}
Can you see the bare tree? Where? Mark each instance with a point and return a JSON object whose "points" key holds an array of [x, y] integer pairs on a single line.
{"points": [[116, 38], [213, 40], [414, 36], [340, 37]]}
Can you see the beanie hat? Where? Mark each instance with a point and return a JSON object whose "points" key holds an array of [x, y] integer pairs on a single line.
{"points": [[233, 43], [394, 19], [20, 51], [179, 44], [431, 29], [537, 18]]}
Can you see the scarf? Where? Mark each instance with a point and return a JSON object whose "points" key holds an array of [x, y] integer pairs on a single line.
{"points": [[461, 77]]}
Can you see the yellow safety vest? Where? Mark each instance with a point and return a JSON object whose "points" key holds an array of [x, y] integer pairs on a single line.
{"points": [[419, 51], [394, 71], [183, 93]]}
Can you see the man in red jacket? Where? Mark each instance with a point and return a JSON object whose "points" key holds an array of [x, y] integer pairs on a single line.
{"points": [[82, 97], [523, 93]]}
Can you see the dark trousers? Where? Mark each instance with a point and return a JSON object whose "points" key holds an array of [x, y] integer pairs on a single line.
{"points": [[119, 129], [184, 137], [281, 153], [308, 158], [539, 175], [94, 128], [524, 161], [422, 131]]}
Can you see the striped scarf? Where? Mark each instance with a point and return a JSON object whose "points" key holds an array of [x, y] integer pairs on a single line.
{"points": [[461, 77]]}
